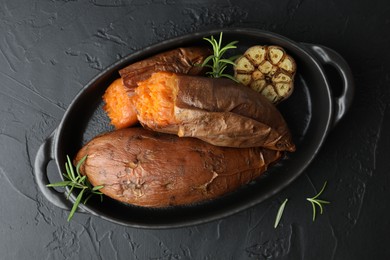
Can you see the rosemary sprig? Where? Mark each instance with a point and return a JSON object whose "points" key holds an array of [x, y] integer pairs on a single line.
{"points": [[280, 213], [315, 201], [74, 179], [219, 64]]}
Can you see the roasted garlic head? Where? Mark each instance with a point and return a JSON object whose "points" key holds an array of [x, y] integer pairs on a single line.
{"points": [[268, 70]]}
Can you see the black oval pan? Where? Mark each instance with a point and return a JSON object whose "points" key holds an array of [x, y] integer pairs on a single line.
{"points": [[310, 112]]}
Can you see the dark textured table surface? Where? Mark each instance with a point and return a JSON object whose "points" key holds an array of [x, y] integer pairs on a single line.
{"points": [[50, 49]]}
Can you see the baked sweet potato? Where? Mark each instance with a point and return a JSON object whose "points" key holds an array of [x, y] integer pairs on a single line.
{"points": [[118, 96], [218, 111], [151, 169]]}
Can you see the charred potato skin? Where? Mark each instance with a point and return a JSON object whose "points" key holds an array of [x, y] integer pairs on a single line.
{"points": [[184, 60], [150, 169]]}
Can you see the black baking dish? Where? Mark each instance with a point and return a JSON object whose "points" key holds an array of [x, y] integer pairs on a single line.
{"points": [[310, 112]]}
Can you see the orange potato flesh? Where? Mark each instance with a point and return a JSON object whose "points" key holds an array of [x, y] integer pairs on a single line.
{"points": [[119, 106], [157, 106]]}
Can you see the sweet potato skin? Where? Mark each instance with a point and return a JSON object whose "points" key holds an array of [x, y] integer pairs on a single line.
{"points": [[181, 60], [151, 169], [221, 112]]}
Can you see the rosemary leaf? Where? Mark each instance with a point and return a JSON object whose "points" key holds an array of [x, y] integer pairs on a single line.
{"points": [[82, 179], [65, 176], [207, 60], [321, 191], [280, 213], [211, 41], [227, 61], [72, 185], [314, 210], [323, 201], [80, 163], [59, 184], [68, 175], [71, 171], [76, 204], [228, 47], [97, 188]]}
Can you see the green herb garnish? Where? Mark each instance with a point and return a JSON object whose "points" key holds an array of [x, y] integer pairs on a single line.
{"points": [[219, 64], [314, 201], [75, 180], [280, 213]]}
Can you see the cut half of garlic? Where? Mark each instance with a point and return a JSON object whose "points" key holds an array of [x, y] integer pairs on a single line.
{"points": [[268, 70]]}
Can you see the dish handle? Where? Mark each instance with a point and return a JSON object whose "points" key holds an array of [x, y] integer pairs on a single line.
{"points": [[330, 57], [44, 156]]}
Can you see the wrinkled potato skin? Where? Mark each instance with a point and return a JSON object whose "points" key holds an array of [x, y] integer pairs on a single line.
{"points": [[151, 169], [224, 113], [180, 60]]}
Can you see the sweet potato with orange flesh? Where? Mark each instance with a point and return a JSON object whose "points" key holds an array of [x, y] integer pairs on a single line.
{"points": [[118, 96], [119, 106], [218, 111], [151, 169], [180, 60]]}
